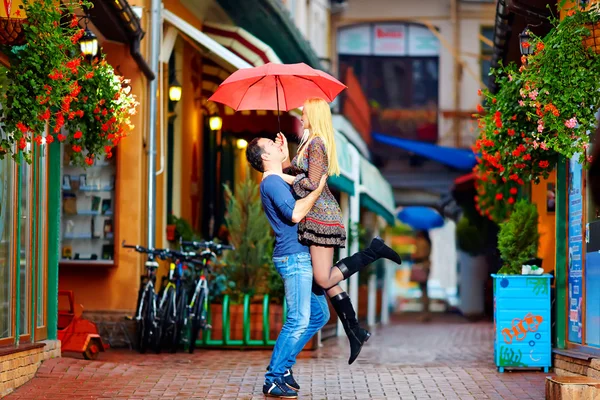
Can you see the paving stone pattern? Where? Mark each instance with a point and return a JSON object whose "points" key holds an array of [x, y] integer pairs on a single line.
{"points": [[445, 359]]}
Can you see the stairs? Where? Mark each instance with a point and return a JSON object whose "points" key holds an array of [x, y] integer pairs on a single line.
{"points": [[572, 388]]}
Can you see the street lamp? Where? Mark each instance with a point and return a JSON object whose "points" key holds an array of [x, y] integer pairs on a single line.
{"points": [[525, 37], [88, 44], [175, 91], [215, 122], [242, 144]]}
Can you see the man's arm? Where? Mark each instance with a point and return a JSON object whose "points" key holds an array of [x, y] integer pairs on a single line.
{"points": [[304, 205]]}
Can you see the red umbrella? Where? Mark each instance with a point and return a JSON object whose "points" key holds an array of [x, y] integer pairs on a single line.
{"points": [[280, 87]]}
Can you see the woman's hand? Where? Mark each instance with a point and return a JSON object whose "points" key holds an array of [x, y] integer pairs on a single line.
{"points": [[281, 142]]}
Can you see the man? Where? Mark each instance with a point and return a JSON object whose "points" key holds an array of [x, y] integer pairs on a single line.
{"points": [[307, 309]]}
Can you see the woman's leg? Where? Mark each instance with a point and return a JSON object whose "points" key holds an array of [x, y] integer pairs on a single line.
{"points": [[425, 316], [328, 277], [323, 273]]}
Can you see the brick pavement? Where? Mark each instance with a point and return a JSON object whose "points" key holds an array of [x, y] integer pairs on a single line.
{"points": [[446, 359]]}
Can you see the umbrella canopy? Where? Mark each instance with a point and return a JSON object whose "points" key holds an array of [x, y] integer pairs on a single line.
{"points": [[421, 218], [281, 87]]}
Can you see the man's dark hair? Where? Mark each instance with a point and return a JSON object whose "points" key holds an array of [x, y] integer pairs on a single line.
{"points": [[254, 154]]}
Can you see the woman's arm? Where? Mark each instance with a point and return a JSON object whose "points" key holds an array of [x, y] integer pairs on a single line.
{"points": [[318, 166]]}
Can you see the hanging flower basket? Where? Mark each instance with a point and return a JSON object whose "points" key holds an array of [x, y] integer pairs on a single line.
{"points": [[11, 31]]}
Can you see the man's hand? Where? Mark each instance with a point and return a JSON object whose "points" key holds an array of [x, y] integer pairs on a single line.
{"points": [[282, 143], [322, 183]]}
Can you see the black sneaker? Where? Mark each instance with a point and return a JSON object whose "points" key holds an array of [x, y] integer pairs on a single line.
{"points": [[288, 379], [279, 390]]}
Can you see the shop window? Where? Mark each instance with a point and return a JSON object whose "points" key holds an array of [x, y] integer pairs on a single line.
{"points": [[486, 54], [88, 212], [6, 243], [24, 247], [42, 234]]}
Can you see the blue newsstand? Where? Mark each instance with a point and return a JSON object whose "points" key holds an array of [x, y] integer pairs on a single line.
{"points": [[522, 326]]}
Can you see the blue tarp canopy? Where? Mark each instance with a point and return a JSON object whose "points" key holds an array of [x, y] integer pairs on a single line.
{"points": [[460, 159]]}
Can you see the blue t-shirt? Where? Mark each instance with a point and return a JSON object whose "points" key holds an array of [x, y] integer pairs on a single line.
{"points": [[278, 203]]}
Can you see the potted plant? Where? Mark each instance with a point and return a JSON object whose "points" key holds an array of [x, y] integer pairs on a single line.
{"points": [[248, 271], [171, 227], [521, 302], [471, 234]]}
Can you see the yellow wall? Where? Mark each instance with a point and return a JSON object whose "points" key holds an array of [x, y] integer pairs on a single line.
{"points": [[101, 288], [547, 223]]}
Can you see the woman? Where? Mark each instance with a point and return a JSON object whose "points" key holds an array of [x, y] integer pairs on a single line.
{"points": [[421, 268], [322, 229]]}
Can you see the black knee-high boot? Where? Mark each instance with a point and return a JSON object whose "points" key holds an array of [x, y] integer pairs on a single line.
{"points": [[357, 261], [356, 335]]}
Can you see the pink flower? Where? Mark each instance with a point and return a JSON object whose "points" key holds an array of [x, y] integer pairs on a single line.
{"points": [[540, 128], [571, 123], [521, 103], [533, 94], [589, 159], [543, 146], [585, 146], [536, 144], [523, 95], [510, 78]]}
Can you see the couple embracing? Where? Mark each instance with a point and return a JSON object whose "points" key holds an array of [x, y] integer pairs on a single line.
{"points": [[307, 222]]}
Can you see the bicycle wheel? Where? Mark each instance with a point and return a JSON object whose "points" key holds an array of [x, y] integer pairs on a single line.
{"points": [[180, 320], [152, 324], [198, 319], [142, 334], [168, 321]]}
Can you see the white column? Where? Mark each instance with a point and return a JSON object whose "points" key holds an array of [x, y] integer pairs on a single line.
{"points": [[389, 276], [354, 218], [372, 285], [345, 206]]}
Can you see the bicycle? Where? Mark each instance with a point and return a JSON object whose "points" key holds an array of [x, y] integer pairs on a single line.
{"points": [[173, 299], [147, 323], [198, 307]]}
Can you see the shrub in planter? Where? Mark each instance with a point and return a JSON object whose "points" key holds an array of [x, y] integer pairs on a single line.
{"points": [[518, 238]]}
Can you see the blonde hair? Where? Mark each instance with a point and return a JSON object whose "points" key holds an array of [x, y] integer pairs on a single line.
{"points": [[321, 125]]}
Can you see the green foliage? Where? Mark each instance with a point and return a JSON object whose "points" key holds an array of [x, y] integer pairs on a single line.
{"points": [[518, 237], [50, 86], [249, 267], [470, 236]]}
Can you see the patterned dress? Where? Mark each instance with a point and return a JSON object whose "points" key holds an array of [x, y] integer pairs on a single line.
{"points": [[323, 225]]}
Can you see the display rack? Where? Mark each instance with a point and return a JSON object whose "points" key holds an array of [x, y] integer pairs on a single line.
{"points": [[87, 223]]}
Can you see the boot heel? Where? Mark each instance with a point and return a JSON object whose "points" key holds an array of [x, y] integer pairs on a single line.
{"points": [[367, 337]]}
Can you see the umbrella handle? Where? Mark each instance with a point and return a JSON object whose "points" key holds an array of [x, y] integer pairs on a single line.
{"points": [[277, 97]]}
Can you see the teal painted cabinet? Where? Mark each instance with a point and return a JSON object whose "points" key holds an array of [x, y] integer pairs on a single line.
{"points": [[522, 326]]}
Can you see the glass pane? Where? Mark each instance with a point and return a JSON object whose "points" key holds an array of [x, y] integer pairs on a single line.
{"points": [[24, 272], [6, 276], [42, 233], [575, 218]]}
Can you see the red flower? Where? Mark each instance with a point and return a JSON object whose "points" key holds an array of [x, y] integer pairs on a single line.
{"points": [[479, 92], [525, 45], [494, 100], [45, 116], [480, 109], [511, 200], [60, 121], [22, 127], [49, 139], [513, 191], [76, 148], [540, 46], [527, 157], [75, 38], [38, 139], [74, 64], [74, 21], [22, 143], [544, 164], [107, 149], [75, 89], [56, 75], [89, 75], [78, 135], [79, 113], [499, 196], [108, 155], [514, 117], [61, 137], [104, 112], [104, 127], [511, 132], [89, 160]]}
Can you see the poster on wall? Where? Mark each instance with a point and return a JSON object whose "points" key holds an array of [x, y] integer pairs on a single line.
{"points": [[355, 40], [575, 238], [389, 39], [422, 42]]}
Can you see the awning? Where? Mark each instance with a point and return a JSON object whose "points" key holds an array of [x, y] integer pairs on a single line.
{"points": [[270, 21], [343, 182], [341, 124], [213, 50], [456, 158], [376, 193], [242, 43]]}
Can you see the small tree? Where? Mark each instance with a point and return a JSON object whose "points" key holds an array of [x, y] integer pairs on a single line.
{"points": [[248, 266], [518, 237]]}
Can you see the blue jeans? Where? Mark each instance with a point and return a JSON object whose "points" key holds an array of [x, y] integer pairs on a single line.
{"points": [[307, 312]]}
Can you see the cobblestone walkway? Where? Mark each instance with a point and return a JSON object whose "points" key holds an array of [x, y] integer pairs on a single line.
{"points": [[445, 359]]}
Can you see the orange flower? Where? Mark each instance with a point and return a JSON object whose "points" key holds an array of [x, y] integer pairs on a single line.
{"points": [[570, 13], [540, 46]]}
